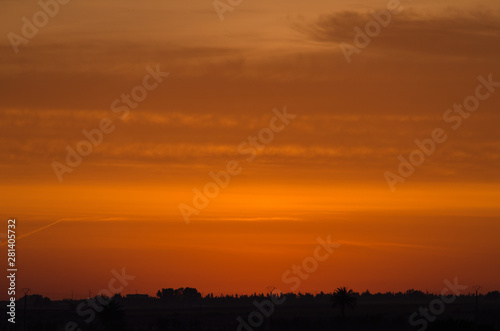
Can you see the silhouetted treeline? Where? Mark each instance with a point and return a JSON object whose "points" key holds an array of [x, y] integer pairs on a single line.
{"points": [[187, 309], [192, 295]]}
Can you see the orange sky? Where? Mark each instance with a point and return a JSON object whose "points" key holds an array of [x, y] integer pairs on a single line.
{"points": [[322, 175]]}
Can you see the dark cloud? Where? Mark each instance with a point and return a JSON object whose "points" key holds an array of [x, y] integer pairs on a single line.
{"points": [[453, 34]]}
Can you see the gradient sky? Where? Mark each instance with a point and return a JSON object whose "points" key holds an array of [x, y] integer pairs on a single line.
{"points": [[323, 175]]}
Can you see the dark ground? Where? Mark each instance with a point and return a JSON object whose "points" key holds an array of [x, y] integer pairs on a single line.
{"points": [[306, 312]]}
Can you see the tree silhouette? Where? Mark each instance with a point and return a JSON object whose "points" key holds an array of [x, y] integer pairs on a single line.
{"points": [[182, 293], [112, 316], [166, 294], [343, 298]]}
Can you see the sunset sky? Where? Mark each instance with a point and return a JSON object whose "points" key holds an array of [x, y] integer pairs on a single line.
{"points": [[323, 175]]}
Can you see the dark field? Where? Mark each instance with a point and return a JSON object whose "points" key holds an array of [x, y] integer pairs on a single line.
{"points": [[387, 312]]}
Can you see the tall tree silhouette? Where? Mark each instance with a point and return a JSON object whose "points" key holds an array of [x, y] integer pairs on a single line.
{"points": [[343, 298]]}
